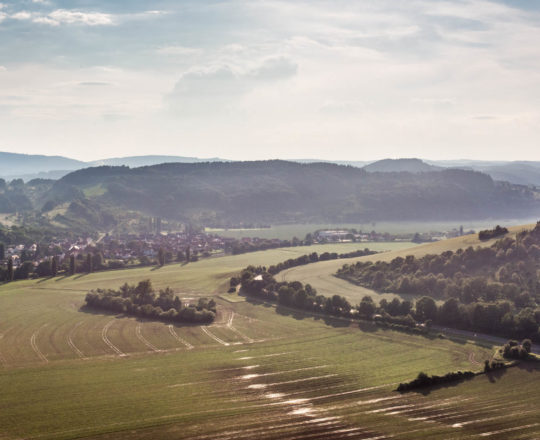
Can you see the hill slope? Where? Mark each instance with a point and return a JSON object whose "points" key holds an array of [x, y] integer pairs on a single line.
{"points": [[221, 193]]}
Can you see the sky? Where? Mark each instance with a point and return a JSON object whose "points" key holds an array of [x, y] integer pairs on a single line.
{"points": [[334, 80]]}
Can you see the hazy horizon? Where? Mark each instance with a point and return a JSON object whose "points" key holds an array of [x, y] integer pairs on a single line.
{"points": [[258, 80]]}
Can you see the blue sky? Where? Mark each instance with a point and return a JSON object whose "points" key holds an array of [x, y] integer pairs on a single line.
{"points": [[264, 79]]}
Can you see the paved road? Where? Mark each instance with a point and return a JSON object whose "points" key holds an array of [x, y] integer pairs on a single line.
{"points": [[479, 336]]}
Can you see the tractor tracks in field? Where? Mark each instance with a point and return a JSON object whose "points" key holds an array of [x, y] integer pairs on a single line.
{"points": [[214, 337], [145, 341], [72, 344], [33, 343], [238, 332], [472, 358], [178, 338], [107, 341]]}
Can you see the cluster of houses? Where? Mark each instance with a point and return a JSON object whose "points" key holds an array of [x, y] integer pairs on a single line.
{"points": [[131, 247]]}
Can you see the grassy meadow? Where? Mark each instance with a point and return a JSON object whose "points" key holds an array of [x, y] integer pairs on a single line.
{"points": [[256, 372]]}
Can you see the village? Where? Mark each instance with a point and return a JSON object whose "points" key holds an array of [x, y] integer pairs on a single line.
{"points": [[113, 251]]}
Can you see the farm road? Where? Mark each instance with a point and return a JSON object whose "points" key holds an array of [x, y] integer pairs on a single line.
{"points": [[479, 336]]}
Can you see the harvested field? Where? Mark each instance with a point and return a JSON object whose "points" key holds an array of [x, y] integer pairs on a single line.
{"points": [[272, 376]]}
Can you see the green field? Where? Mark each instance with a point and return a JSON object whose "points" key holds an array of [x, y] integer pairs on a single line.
{"points": [[287, 232], [257, 372]]}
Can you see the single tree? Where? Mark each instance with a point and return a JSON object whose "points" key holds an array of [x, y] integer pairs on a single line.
{"points": [[161, 257], [89, 263], [54, 267], [9, 275], [2, 251], [188, 254], [72, 264]]}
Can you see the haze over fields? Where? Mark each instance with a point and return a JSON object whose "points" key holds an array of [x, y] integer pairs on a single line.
{"points": [[272, 220]]}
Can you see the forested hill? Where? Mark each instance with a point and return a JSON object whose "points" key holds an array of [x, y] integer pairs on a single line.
{"points": [[277, 191]]}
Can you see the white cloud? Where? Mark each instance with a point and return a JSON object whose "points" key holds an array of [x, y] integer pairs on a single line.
{"points": [[217, 88], [21, 15], [306, 78], [2, 68], [64, 16], [3, 16]]}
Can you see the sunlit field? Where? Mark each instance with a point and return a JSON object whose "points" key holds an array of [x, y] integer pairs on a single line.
{"points": [[257, 371]]}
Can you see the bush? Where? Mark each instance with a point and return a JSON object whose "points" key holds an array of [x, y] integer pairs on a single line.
{"points": [[141, 300]]}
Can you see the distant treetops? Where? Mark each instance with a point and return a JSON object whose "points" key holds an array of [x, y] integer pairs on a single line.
{"points": [[488, 234], [492, 289], [142, 300]]}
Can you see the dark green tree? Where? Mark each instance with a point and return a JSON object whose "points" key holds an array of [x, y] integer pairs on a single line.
{"points": [[98, 260], [426, 308], [188, 254], [89, 263], [367, 307], [9, 275], [2, 251], [54, 267], [72, 264], [161, 257]]}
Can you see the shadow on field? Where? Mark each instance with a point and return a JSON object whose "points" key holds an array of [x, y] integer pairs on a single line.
{"points": [[495, 375], [92, 311], [155, 268], [529, 367]]}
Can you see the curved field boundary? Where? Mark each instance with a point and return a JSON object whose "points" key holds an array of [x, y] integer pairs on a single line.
{"points": [[70, 341], [34, 344], [178, 338], [144, 340], [107, 341], [214, 337]]}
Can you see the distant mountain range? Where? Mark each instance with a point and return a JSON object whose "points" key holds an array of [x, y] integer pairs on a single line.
{"points": [[28, 167], [32, 166]]}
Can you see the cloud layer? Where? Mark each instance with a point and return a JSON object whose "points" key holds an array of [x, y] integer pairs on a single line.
{"points": [[241, 79]]}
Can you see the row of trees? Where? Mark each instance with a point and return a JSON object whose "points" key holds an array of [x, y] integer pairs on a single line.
{"points": [[142, 300], [314, 257], [423, 380], [499, 318], [81, 263], [258, 282], [501, 278], [488, 234]]}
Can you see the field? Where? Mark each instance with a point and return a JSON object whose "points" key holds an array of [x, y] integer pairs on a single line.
{"points": [[287, 232], [321, 275], [256, 372]]}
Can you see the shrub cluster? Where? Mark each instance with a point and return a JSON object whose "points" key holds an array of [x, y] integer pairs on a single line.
{"points": [[423, 380], [493, 365], [514, 350], [258, 282], [142, 300], [488, 234]]}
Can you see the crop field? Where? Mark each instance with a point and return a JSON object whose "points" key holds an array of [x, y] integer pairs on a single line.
{"points": [[321, 275], [256, 372]]}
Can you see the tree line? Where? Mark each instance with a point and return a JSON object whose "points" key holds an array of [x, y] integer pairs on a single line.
{"points": [[258, 282], [143, 301], [314, 257]]}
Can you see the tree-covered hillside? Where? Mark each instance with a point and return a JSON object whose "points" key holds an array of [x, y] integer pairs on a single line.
{"points": [[277, 191]]}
